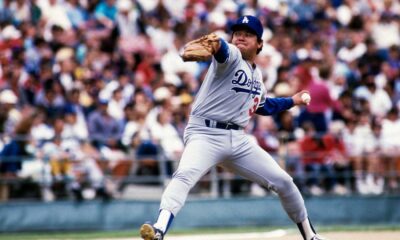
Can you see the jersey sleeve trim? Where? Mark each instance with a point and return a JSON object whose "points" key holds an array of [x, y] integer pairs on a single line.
{"points": [[222, 54]]}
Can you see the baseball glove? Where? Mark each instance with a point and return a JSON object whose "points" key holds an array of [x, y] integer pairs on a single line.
{"points": [[202, 48]]}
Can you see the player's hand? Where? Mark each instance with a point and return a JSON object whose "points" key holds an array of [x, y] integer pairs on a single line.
{"points": [[300, 99], [202, 48]]}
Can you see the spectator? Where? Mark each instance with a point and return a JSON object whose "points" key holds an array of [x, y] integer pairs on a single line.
{"points": [[13, 153], [321, 176], [124, 84], [61, 165], [77, 15], [70, 165], [73, 129], [370, 62], [116, 105], [66, 75], [104, 130], [106, 13], [266, 135], [320, 109], [386, 31], [378, 99], [165, 134], [337, 155], [363, 148], [54, 14], [76, 105], [354, 48], [294, 165], [391, 147], [127, 20], [10, 115], [172, 71], [138, 139], [21, 11], [269, 59], [42, 129], [51, 98], [6, 12]]}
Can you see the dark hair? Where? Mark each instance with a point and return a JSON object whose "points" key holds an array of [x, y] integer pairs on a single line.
{"points": [[325, 71], [259, 40]]}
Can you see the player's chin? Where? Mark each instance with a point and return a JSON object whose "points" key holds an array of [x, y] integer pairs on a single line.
{"points": [[244, 52]]}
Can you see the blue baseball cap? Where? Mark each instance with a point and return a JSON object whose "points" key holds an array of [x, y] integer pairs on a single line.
{"points": [[249, 22]]}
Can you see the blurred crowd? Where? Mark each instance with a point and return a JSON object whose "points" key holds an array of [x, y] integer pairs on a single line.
{"points": [[89, 86]]}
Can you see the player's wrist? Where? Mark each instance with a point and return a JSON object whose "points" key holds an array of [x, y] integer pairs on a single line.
{"points": [[295, 101]]}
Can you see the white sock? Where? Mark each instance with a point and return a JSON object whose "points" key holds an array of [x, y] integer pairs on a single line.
{"points": [[164, 220], [308, 231]]}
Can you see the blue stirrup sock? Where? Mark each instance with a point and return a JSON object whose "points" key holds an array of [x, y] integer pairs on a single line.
{"points": [[164, 220]]}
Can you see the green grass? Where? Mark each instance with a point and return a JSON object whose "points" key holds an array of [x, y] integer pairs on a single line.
{"points": [[134, 233], [68, 235]]}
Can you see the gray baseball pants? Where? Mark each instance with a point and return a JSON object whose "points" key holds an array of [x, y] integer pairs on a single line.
{"points": [[232, 149]]}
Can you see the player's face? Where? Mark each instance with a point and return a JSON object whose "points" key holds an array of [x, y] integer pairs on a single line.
{"points": [[247, 43]]}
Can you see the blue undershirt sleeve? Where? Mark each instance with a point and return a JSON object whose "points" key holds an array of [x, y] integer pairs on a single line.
{"points": [[272, 106], [223, 53]]}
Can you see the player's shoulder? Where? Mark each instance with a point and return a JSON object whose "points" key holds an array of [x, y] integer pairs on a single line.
{"points": [[233, 59], [235, 49]]}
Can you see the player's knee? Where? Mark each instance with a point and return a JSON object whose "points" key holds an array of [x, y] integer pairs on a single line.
{"points": [[285, 185], [188, 176]]}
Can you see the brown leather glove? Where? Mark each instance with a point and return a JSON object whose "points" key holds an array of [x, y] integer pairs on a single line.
{"points": [[202, 48]]}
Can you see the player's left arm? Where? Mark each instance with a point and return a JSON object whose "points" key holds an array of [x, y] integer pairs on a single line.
{"points": [[273, 106]]}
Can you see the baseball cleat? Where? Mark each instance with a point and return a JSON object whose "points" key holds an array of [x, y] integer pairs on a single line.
{"points": [[148, 232]]}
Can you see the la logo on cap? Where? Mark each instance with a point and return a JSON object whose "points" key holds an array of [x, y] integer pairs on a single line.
{"points": [[245, 20]]}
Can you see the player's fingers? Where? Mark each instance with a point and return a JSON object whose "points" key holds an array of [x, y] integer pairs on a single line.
{"points": [[304, 91], [199, 53]]}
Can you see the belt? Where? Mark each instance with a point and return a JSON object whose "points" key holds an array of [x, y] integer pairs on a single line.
{"points": [[214, 124], [221, 125]]}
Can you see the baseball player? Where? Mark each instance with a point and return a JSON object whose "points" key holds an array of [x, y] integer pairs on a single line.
{"points": [[231, 93]]}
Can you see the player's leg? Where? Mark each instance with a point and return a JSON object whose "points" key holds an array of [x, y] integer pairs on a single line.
{"points": [[201, 153], [254, 163]]}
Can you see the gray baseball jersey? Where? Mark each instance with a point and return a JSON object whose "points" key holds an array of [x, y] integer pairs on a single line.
{"points": [[231, 92]]}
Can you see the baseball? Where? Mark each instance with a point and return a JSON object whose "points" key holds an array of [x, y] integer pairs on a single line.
{"points": [[306, 98]]}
